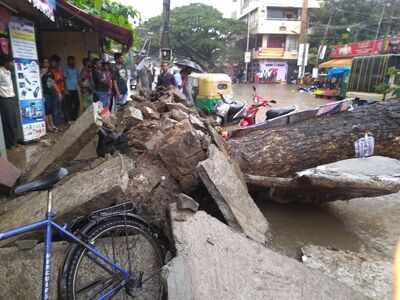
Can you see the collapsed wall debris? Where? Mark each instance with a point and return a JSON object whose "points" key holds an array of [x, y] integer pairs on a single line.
{"points": [[215, 262], [369, 275], [343, 180]]}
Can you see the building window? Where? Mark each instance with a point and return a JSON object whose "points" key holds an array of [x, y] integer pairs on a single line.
{"points": [[276, 41], [291, 43], [282, 13]]}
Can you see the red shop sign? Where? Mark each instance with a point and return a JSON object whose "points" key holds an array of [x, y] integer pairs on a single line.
{"points": [[364, 48]]}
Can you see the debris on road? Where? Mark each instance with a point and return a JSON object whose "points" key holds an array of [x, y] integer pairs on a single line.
{"points": [[225, 185], [215, 262], [371, 276], [9, 174], [343, 180]]}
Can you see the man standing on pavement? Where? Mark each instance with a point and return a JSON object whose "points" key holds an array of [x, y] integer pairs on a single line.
{"points": [[72, 105], [8, 102], [166, 79], [120, 80]]}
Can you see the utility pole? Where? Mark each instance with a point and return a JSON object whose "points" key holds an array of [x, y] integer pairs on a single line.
{"points": [[247, 48], [164, 42], [303, 38], [378, 30], [325, 35]]}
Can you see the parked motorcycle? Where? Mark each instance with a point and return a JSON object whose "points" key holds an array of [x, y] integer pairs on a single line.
{"points": [[233, 112]]}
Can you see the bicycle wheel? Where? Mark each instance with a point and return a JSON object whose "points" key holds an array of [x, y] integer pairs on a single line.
{"points": [[130, 245]]}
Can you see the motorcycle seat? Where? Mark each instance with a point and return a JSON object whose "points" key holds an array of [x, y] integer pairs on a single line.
{"points": [[275, 113], [44, 183]]}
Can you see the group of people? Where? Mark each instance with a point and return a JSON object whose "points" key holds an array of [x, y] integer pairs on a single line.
{"points": [[178, 79], [98, 80], [64, 90]]}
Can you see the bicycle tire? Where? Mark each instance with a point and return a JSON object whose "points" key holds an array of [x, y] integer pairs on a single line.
{"points": [[99, 233]]}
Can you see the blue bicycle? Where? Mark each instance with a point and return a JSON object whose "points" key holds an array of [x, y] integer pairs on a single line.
{"points": [[113, 253]]}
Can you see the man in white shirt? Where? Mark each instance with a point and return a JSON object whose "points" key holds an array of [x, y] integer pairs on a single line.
{"points": [[8, 105]]}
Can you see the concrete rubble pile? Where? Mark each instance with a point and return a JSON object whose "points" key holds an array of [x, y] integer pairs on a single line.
{"points": [[173, 157]]}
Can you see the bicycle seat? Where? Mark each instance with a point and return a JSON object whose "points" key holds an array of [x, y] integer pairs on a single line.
{"points": [[44, 183]]}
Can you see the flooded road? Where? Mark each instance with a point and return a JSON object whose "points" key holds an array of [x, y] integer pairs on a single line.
{"points": [[364, 225]]}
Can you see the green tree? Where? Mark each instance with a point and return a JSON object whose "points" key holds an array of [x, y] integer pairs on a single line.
{"points": [[202, 33], [113, 12], [354, 20]]}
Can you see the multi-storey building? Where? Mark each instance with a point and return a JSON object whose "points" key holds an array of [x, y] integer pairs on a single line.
{"points": [[274, 27]]}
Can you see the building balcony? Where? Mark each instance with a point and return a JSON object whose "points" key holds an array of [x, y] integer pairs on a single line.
{"points": [[284, 27], [273, 53]]}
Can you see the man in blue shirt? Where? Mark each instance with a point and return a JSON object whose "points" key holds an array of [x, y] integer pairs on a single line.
{"points": [[71, 100]]}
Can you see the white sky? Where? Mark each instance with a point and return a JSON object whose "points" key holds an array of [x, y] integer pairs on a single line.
{"points": [[151, 8]]}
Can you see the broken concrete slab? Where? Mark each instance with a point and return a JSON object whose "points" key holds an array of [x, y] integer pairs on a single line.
{"points": [[80, 194], [9, 174], [215, 262], [367, 274], [77, 136], [21, 271], [186, 202], [226, 186], [182, 149]]}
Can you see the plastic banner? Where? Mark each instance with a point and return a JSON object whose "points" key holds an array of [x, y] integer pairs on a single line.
{"points": [[27, 74]]}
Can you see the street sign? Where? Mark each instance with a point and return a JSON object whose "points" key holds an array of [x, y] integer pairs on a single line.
{"points": [[247, 57], [166, 54]]}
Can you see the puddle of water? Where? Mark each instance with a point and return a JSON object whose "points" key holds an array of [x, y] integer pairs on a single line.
{"points": [[296, 225]]}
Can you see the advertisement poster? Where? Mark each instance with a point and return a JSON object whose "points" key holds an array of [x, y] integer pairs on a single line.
{"points": [[271, 71], [27, 73], [47, 7]]}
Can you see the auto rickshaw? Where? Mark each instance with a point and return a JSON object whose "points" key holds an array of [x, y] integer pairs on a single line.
{"points": [[207, 89]]}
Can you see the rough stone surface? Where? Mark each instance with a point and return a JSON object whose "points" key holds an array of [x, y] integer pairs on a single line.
{"points": [[152, 188], [178, 115], [81, 193], [371, 276], [70, 143], [21, 272], [9, 174], [214, 262], [227, 187], [183, 148], [186, 202]]}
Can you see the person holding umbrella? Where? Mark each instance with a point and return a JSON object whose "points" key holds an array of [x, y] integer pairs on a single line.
{"points": [[188, 67]]}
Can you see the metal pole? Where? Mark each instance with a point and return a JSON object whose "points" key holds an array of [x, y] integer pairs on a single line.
{"points": [[303, 36], [247, 47], [378, 30], [325, 35], [165, 25]]}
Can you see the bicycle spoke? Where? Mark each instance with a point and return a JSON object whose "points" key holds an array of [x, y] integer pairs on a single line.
{"points": [[93, 284]]}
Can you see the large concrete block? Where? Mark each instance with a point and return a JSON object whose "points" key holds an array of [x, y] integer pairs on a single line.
{"points": [[81, 133], [80, 194], [215, 262], [226, 185]]}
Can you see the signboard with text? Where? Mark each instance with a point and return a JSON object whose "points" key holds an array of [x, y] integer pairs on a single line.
{"points": [[364, 48], [27, 77]]}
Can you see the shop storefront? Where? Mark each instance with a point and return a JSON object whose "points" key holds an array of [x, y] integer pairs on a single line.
{"points": [[271, 71], [31, 30]]}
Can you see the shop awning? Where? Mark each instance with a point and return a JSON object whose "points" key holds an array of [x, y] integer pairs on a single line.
{"points": [[117, 33], [344, 62]]}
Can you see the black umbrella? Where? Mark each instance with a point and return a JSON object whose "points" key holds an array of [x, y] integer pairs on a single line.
{"points": [[188, 64]]}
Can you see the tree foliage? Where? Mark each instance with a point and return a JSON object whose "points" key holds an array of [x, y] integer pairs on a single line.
{"points": [[202, 33], [355, 20], [111, 11]]}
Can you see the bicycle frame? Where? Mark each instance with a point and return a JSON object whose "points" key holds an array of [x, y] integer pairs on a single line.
{"points": [[49, 225]]}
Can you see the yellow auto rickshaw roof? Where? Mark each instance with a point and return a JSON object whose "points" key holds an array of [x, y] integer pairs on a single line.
{"points": [[211, 77]]}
